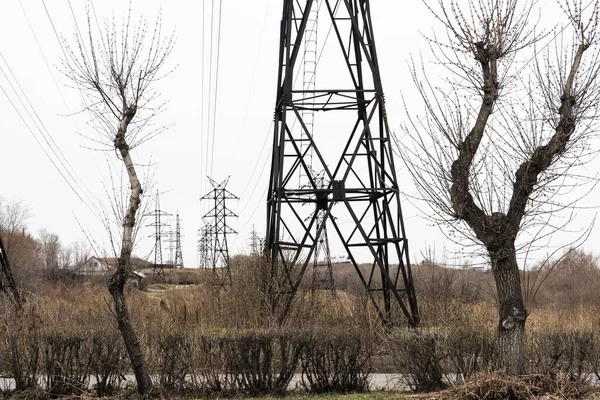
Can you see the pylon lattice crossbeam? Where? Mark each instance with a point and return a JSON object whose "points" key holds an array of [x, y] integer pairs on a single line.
{"points": [[360, 186]]}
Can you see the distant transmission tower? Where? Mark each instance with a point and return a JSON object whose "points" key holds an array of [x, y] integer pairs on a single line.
{"points": [[322, 270], [178, 262], [158, 271], [216, 219], [257, 243], [359, 186], [204, 251], [175, 254]]}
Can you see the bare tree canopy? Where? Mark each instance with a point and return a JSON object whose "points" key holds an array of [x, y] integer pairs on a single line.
{"points": [[504, 131], [116, 68]]}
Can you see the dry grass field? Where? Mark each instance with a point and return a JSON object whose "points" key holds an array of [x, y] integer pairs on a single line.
{"points": [[203, 339]]}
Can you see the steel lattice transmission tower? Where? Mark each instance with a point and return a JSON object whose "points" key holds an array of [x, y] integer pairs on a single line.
{"points": [[204, 250], [216, 220], [176, 256], [361, 189], [256, 242], [158, 270], [175, 253]]}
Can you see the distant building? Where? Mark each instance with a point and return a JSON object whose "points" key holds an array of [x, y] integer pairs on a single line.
{"points": [[98, 266], [105, 265]]}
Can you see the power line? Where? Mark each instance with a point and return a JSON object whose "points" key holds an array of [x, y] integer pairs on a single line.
{"points": [[38, 142], [72, 172], [216, 88], [65, 169]]}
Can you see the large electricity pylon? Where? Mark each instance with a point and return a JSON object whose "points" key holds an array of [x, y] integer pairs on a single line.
{"points": [[158, 271], [360, 197], [216, 219]]}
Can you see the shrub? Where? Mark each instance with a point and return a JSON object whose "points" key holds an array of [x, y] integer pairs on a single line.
{"points": [[468, 350], [23, 358], [264, 362], [574, 355], [248, 362], [68, 358], [418, 354], [110, 361], [336, 362], [209, 355], [172, 363]]}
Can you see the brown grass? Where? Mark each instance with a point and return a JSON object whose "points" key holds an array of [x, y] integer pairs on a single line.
{"points": [[497, 386], [562, 341]]}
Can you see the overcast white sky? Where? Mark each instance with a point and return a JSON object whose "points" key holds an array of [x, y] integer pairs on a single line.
{"points": [[245, 103]]}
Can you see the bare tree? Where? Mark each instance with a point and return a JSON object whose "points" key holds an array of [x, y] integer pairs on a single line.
{"points": [[50, 252], [504, 131], [7, 280], [116, 70], [13, 216], [81, 252]]}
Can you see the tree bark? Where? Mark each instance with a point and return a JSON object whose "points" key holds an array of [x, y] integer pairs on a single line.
{"points": [[511, 309], [116, 283]]}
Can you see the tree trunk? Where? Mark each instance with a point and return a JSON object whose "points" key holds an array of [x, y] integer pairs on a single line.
{"points": [[512, 312], [116, 283], [138, 363]]}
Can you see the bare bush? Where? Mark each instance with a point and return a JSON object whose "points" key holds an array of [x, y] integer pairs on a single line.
{"points": [[264, 362], [418, 356], [68, 358], [24, 358], [170, 359], [469, 351], [337, 362], [109, 364], [572, 355], [210, 358]]}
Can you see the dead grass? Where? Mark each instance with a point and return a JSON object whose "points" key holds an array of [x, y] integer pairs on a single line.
{"points": [[84, 310], [501, 387]]}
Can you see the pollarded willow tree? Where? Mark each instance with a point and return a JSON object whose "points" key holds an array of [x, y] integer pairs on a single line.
{"points": [[503, 130], [116, 69]]}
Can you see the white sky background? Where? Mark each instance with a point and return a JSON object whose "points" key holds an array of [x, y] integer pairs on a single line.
{"points": [[245, 103]]}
